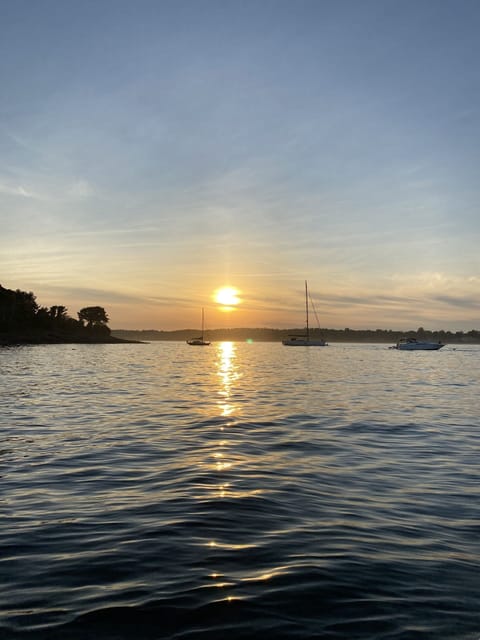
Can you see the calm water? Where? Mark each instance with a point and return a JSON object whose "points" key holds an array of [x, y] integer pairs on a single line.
{"points": [[239, 491]]}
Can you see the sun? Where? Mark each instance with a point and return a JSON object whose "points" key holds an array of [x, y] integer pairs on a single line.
{"points": [[227, 297]]}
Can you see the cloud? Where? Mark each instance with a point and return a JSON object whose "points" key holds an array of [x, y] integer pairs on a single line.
{"points": [[16, 190], [112, 296], [80, 189], [464, 302], [93, 295]]}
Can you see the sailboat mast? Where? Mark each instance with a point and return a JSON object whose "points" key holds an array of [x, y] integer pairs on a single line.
{"points": [[306, 307], [202, 321]]}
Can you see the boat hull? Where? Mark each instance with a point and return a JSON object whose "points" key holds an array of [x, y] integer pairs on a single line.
{"points": [[304, 342], [420, 346]]}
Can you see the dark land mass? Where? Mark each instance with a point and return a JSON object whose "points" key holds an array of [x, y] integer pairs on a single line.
{"points": [[41, 337], [277, 335], [23, 321]]}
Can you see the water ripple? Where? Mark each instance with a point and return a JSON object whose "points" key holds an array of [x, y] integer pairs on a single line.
{"points": [[246, 490]]}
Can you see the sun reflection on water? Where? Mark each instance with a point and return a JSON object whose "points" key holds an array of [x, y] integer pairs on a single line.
{"points": [[227, 373], [225, 466]]}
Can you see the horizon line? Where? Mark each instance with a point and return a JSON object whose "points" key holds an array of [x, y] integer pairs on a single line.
{"points": [[300, 329]]}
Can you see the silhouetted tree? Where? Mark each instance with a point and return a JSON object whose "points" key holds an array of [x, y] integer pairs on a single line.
{"points": [[7, 307], [17, 308], [58, 313], [43, 319], [26, 307], [95, 317]]}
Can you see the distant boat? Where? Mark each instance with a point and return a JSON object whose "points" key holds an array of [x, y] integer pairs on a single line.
{"points": [[199, 342], [412, 344], [304, 340]]}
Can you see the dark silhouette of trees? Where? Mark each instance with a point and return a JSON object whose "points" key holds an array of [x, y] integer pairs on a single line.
{"points": [[23, 320], [58, 313], [95, 317], [17, 308]]}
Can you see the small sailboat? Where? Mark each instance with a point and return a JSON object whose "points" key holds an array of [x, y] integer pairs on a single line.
{"points": [[304, 340], [199, 342]]}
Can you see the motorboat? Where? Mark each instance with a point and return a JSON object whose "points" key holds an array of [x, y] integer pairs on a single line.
{"points": [[412, 344]]}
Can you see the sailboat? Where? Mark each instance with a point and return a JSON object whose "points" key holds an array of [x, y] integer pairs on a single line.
{"points": [[199, 342], [304, 340]]}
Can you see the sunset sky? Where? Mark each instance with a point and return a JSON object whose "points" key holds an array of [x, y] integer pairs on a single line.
{"points": [[152, 152]]}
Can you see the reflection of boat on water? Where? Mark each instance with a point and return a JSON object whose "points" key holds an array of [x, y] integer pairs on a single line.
{"points": [[304, 340], [412, 344], [199, 342]]}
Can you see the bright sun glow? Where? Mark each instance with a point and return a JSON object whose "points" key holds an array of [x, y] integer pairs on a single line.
{"points": [[227, 296]]}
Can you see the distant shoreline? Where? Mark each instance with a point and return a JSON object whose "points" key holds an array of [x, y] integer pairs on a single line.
{"points": [[245, 334]]}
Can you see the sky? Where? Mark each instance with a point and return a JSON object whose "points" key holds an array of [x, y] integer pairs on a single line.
{"points": [[152, 152]]}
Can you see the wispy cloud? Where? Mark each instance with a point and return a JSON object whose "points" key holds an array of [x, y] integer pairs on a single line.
{"points": [[81, 188], [464, 302], [16, 190]]}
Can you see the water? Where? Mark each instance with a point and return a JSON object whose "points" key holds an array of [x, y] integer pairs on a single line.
{"points": [[239, 491]]}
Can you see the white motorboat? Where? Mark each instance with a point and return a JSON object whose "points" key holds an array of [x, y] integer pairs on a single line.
{"points": [[412, 344], [304, 340]]}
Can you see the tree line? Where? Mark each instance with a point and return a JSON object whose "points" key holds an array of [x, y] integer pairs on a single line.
{"points": [[21, 315], [331, 335]]}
